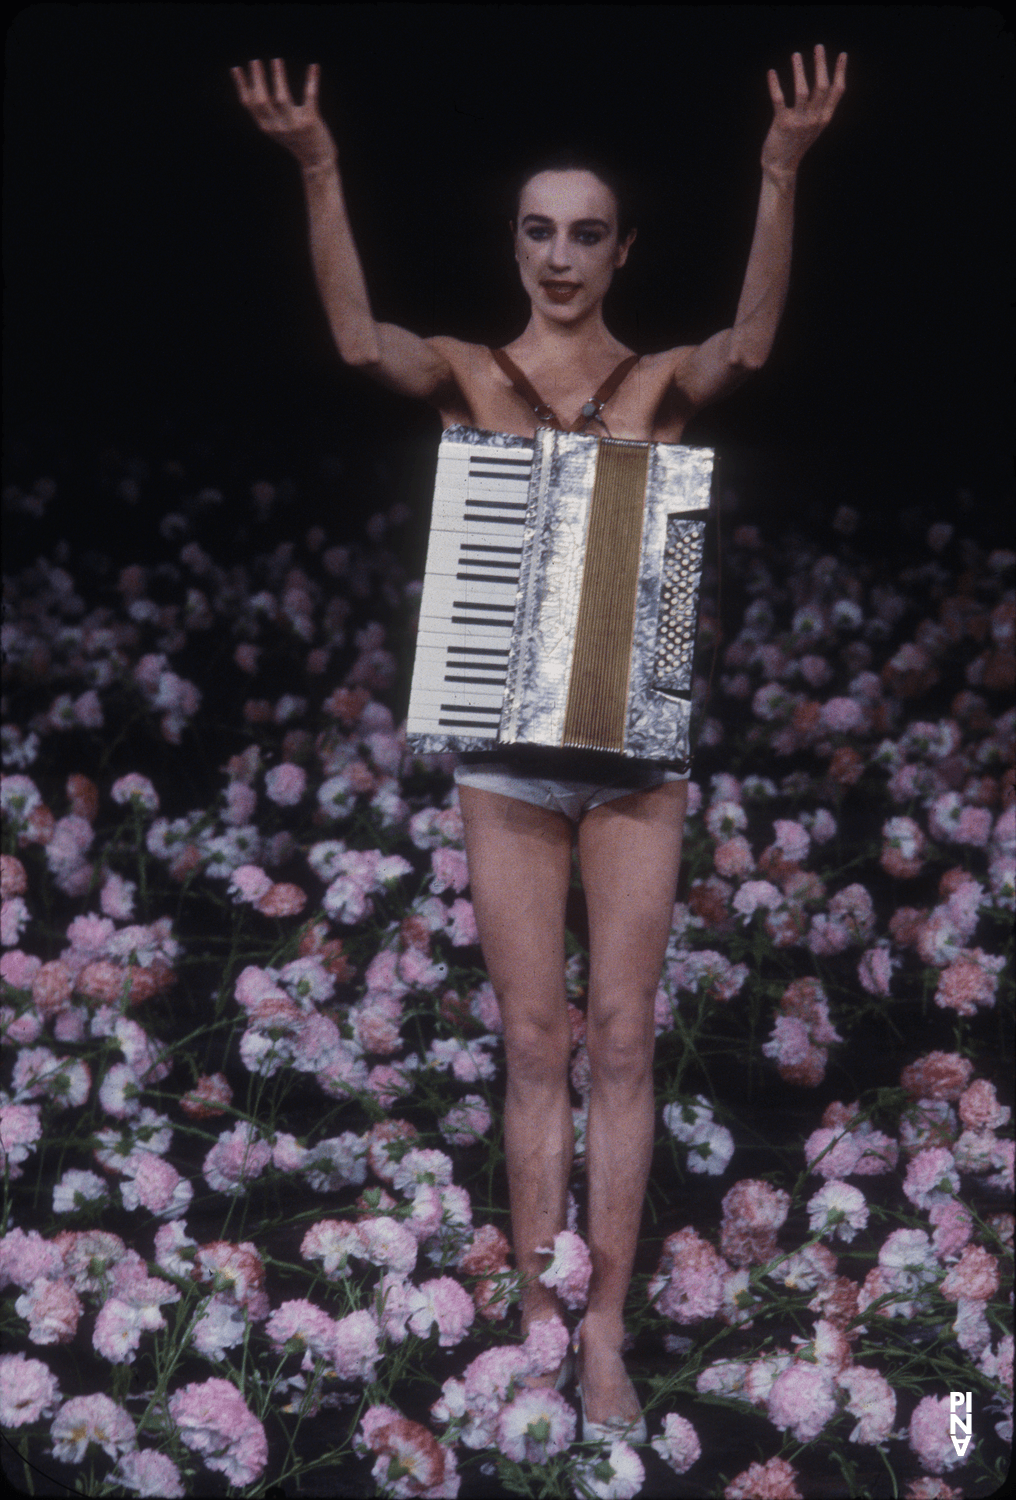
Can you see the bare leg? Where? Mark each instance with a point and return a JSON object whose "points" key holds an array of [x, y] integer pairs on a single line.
{"points": [[519, 870], [630, 852]]}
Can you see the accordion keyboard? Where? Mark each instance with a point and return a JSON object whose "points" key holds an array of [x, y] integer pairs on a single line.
{"points": [[467, 608]]}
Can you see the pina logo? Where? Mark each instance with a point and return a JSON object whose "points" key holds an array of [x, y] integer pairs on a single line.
{"points": [[961, 1420]]}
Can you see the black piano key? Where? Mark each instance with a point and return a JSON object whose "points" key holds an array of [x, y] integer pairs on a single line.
{"points": [[499, 504], [492, 681]]}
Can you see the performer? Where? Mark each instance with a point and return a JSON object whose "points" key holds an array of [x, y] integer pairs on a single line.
{"points": [[521, 812]]}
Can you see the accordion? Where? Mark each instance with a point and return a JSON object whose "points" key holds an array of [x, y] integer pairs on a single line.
{"points": [[560, 597]]}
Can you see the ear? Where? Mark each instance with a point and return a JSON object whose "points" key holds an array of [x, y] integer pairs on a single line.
{"points": [[624, 247]]}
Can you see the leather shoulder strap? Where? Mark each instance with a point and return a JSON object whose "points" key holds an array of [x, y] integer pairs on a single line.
{"points": [[614, 379], [532, 397], [528, 392]]}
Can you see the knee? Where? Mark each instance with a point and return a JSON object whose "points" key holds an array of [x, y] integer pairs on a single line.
{"points": [[621, 1047], [537, 1048]]}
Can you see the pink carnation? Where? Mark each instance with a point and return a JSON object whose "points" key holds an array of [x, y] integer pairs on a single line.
{"points": [[872, 1402], [802, 1398], [237, 1156], [535, 1426], [953, 1228], [752, 1213], [213, 1420], [690, 1279], [843, 715], [875, 970], [136, 790], [424, 1466], [755, 894], [20, 1128], [792, 839], [937, 1075], [733, 858], [52, 1310], [285, 784], [979, 1107], [929, 1435], [149, 1473], [450, 869], [444, 1302], [462, 924], [249, 883], [772, 1481], [355, 1349], [28, 1390], [91, 1419], [570, 1269], [975, 1274], [969, 982], [157, 1186], [832, 1152], [285, 900], [931, 1177], [303, 1324], [902, 848], [679, 1444]]}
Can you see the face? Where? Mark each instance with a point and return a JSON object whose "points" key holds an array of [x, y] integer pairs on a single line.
{"points": [[567, 234]]}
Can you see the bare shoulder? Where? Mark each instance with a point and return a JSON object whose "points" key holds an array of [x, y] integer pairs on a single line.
{"points": [[462, 356], [666, 395], [473, 381]]}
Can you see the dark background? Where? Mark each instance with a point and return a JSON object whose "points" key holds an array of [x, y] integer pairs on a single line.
{"points": [[158, 282]]}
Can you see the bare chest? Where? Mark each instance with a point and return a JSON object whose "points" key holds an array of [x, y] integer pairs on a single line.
{"points": [[638, 410]]}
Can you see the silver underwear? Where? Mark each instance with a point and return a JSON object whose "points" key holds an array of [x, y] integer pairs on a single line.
{"points": [[572, 798]]}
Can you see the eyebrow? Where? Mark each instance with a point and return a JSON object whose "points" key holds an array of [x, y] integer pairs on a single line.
{"points": [[577, 224]]}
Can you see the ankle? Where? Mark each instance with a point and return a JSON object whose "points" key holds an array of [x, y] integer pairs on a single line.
{"points": [[602, 1331]]}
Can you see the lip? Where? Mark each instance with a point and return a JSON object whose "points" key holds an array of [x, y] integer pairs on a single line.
{"points": [[560, 291]]}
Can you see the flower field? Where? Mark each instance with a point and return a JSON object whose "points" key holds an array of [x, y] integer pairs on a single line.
{"points": [[255, 1235]]}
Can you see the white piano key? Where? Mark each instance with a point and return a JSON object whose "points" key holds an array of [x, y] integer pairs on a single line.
{"points": [[451, 556], [435, 666], [445, 593], [459, 695]]}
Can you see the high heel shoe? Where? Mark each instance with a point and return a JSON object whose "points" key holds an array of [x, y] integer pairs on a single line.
{"points": [[615, 1429]]}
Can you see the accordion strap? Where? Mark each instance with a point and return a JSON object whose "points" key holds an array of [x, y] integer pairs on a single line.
{"points": [[545, 413]]}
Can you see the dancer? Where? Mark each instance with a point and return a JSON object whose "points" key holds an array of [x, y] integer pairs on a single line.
{"points": [[522, 812]]}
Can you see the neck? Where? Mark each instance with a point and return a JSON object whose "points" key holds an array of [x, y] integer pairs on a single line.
{"points": [[586, 336]]}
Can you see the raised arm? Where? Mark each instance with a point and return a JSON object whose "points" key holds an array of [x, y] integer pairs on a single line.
{"points": [[712, 369], [396, 357]]}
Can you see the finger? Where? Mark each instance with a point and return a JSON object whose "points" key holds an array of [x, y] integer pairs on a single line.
{"points": [[237, 75], [775, 92], [840, 78], [310, 91], [258, 85], [280, 81], [800, 80], [821, 71]]}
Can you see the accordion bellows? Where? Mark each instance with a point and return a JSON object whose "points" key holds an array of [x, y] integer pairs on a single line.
{"points": [[560, 598]]}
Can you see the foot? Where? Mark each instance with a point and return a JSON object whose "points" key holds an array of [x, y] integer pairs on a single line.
{"points": [[608, 1394]]}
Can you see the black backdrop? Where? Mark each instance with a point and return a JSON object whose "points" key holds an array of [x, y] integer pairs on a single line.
{"points": [[155, 252]]}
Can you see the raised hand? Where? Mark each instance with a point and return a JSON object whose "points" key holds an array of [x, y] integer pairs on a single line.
{"points": [[796, 126], [298, 127]]}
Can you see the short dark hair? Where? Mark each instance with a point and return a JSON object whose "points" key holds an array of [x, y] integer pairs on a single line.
{"points": [[576, 159]]}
